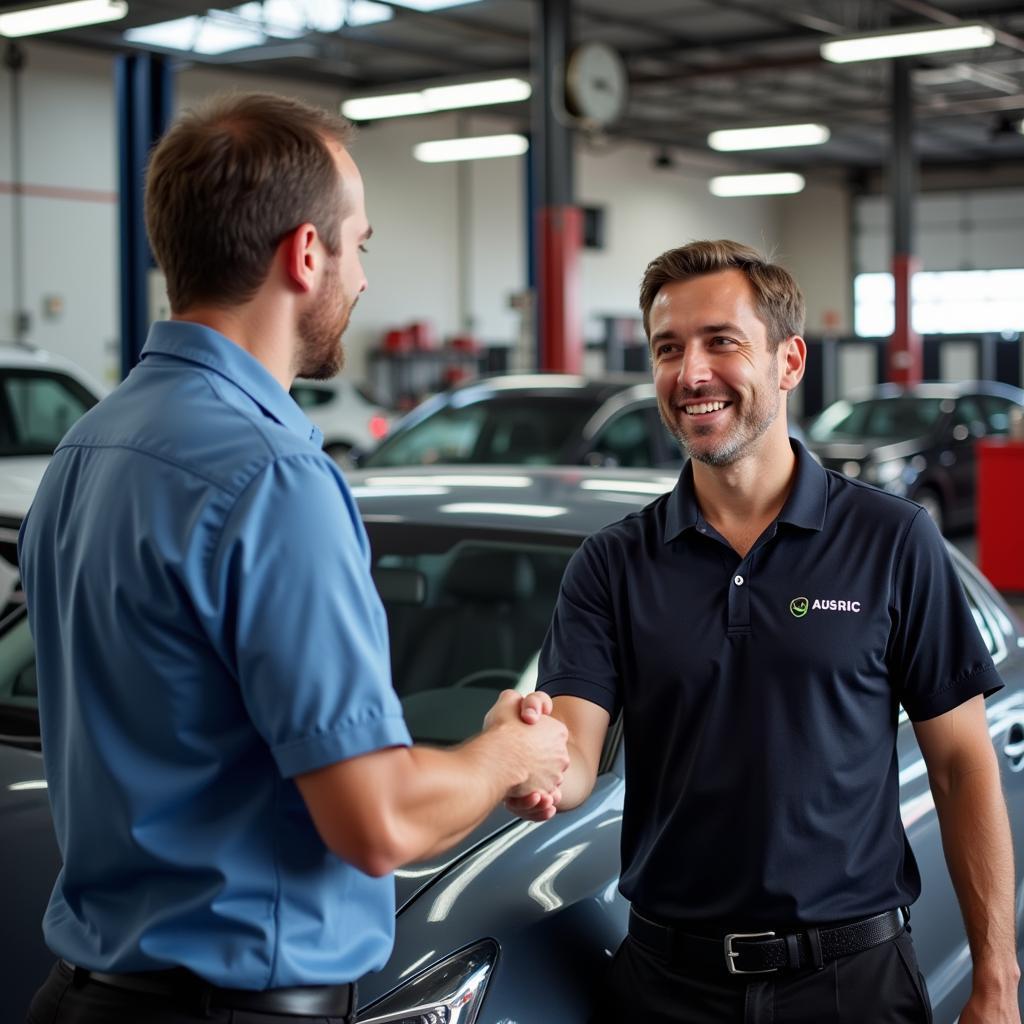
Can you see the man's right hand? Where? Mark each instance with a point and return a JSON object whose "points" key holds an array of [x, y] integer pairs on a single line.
{"points": [[541, 747]]}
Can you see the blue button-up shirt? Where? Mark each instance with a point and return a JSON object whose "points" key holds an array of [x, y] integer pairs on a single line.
{"points": [[206, 628]]}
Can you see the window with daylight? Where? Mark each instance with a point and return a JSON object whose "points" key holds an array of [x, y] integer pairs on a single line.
{"points": [[944, 302]]}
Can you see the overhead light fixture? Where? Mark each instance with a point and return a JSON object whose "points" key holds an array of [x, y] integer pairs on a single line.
{"points": [[57, 17], [778, 136], [432, 5], [883, 45], [207, 34], [289, 19], [438, 97], [756, 184], [480, 147]]}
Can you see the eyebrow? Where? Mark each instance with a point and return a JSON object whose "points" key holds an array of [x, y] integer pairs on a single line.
{"points": [[727, 327]]}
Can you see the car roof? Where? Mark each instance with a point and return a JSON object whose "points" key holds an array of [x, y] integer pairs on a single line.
{"points": [[941, 389], [22, 357], [519, 385], [567, 500]]}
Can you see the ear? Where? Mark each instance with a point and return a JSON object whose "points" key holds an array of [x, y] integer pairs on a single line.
{"points": [[792, 361], [300, 254]]}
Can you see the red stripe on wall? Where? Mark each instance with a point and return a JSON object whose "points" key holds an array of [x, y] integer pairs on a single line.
{"points": [[83, 195]]}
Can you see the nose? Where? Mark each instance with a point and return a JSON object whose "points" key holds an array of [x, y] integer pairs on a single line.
{"points": [[694, 368]]}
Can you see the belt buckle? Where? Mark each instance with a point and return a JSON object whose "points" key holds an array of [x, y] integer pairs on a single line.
{"points": [[731, 954]]}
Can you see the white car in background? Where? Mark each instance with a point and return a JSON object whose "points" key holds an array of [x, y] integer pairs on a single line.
{"points": [[345, 413], [41, 396]]}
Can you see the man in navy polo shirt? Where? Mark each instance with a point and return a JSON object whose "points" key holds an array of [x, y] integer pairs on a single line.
{"points": [[231, 778], [758, 628]]}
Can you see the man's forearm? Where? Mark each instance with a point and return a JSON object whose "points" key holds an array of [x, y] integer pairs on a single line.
{"points": [[579, 780], [979, 851]]}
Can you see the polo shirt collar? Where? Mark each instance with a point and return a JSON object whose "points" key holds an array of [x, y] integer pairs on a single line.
{"points": [[805, 506], [211, 349]]}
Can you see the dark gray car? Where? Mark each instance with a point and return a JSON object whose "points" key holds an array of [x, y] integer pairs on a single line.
{"points": [[918, 441], [519, 921]]}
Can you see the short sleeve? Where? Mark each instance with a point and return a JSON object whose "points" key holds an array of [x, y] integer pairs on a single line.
{"points": [[300, 620], [580, 656], [937, 657]]}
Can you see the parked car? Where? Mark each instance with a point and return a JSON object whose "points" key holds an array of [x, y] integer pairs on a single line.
{"points": [[347, 415], [536, 420], [917, 441], [518, 921], [41, 395]]}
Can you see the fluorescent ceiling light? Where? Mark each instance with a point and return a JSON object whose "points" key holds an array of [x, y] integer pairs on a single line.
{"points": [[208, 35], [480, 147], [438, 97], [775, 137], [882, 45], [756, 184], [432, 5], [1020, 126], [291, 19], [61, 16]]}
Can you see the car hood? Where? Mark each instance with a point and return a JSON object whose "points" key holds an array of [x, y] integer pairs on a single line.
{"points": [[19, 481], [412, 880], [881, 449]]}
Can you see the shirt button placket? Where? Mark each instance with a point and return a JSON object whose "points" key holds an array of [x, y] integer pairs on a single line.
{"points": [[739, 602]]}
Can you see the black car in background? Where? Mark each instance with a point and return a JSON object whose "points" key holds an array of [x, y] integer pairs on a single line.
{"points": [[917, 441], [519, 920]]}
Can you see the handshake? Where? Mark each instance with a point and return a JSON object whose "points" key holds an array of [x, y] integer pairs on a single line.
{"points": [[536, 748]]}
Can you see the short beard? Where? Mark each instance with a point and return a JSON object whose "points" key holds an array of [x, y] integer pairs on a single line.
{"points": [[735, 447], [322, 354]]}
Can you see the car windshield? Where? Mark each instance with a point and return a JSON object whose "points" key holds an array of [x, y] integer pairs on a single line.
{"points": [[37, 408], [467, 613], [896, 418], [511, 430]]}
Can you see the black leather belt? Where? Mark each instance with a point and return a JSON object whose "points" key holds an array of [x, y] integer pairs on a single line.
{"points": [[765, 952], [183, 986]]}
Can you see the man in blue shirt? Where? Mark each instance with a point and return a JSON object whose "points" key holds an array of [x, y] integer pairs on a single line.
{"points": [[758, 628], [231, 778]]}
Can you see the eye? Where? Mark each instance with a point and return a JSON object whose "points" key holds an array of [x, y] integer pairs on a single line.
{"points": [[721, 340], [362, 248]]}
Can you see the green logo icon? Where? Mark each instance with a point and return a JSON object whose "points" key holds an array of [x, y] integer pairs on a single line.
{"points": [[798, 606]]}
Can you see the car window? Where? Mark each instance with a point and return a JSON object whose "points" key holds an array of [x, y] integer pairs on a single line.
{"points": [[895, 418], [997, 413], [970, 417], [627, 440], [515, 431], [466, 619], [38, 409], [307, 397]]}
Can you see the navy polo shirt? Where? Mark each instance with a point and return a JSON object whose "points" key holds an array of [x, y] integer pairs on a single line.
{"points": [[760, 695]]}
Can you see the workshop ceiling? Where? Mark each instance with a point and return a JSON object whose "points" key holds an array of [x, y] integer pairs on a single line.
{"points": [[694, 66]]}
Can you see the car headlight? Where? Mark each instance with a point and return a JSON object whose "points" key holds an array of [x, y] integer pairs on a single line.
{"points": [[450, 992]]}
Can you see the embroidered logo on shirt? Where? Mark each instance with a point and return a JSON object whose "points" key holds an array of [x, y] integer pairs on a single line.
{"points": [[800, 606]]}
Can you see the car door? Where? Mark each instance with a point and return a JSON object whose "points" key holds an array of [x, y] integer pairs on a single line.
{"points": [[936, 923]]}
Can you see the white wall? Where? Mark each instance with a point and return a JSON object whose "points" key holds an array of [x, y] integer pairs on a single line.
{"points": [[648, 211], [814, 245], [70, 240]]}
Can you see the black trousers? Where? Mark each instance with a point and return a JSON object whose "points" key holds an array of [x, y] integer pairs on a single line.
{"points": [[61, 1001], [882, 985]]}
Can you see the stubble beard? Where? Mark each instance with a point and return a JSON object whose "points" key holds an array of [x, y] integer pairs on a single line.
{"points": [[322, 354], [752, 425]]}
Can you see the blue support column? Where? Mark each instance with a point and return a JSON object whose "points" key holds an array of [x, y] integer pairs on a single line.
{"points": [[143, 88]]}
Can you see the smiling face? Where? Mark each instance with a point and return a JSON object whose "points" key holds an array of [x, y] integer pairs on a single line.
{"points": [[717, 377]]}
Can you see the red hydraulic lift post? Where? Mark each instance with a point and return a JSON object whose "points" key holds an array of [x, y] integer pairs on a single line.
{"points": [[904, 364], [558, 222]]}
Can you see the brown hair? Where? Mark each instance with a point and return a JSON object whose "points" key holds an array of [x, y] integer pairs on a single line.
{"points": [[779, 301], [228, 181]]}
